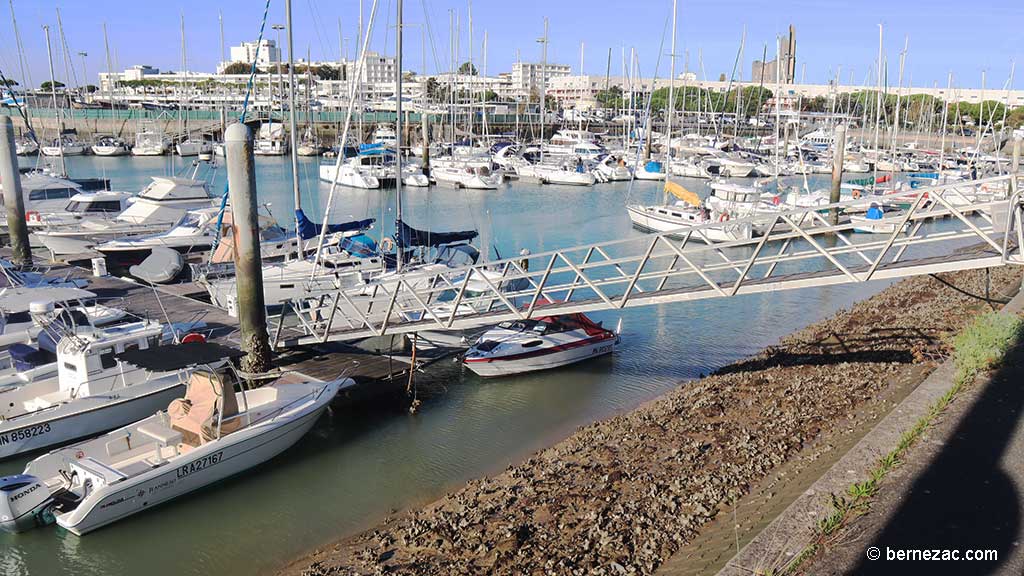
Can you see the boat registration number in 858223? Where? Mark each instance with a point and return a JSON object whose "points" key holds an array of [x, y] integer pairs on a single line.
{"points": [[200, 464], [24, 433]]}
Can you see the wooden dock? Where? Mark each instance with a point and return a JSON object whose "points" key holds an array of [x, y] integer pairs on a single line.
{"points": [[182, 303]]}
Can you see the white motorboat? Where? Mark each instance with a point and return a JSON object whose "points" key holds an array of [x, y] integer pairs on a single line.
{"points": [[17, 325], [520, 346], [611, 168], [349, 174], [89, 391], [210, 434], [688, 168], [650, 170], [270, 140], [149, 142], [110, 146], [875, 221], [190, 147], [474, 176], [680, 219], [44, 194], [159, 206], [100, 205], [564, 174]]}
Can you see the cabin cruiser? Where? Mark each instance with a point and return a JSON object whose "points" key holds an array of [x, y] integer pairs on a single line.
{"points": [[102, 205], [110, 146], [44, 193], [66, 145], [560, 173], [688, 168], [519, 346], [88, 391], [149, 142], [209, 435], [475, 175], [270, 140], [190, 147], [158, 206]]}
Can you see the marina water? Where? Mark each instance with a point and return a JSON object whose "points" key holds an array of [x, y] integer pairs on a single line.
{"points": [[358, 465]]}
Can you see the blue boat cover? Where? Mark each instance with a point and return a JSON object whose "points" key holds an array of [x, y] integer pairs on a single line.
{"points": [[653, 166], [409, 236], [308, 229], [360, 246]]}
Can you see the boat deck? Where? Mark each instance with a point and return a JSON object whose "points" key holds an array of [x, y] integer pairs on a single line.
{"points": [[181, 303]]}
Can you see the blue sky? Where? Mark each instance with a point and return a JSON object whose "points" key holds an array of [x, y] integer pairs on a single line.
{"points": [[944, 36]]}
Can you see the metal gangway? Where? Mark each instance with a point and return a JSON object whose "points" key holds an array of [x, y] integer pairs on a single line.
{"points": [[955, 226]]}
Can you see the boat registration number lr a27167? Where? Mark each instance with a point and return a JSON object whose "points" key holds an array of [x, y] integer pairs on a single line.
{"points": [[24, 433], [200, 464]]}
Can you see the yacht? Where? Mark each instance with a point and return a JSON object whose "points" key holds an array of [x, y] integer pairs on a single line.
{"points": [[190, 147], [110, 146], [209, 435], [270, 140], [104, 204], [150, 142], [520, 346], [44, 193], [157, 207], [649, 170], [66, 145], [24, 146]]}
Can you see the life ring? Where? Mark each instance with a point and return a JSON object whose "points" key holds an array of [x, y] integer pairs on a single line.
{"points": [[387, 244], [856, 194], [724, 217]]}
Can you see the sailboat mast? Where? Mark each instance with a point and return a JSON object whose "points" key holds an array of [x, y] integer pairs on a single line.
{"points": [[181, 97], [945, 120], [878, 105], [398, 131], [291, 113], [671, 102], [110, 76], [56, 109], [543, 85]]}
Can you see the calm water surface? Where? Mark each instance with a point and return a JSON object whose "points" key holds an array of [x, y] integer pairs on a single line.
{"points": [[355, 466]]}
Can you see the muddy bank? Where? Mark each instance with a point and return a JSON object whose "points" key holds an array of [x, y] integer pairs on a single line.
{"points": [[622, 495]]}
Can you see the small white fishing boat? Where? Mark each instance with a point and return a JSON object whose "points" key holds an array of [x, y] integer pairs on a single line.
{"points": [[150, 142], [190, 147], [88, 391], [875, 221], [542, 343], [210, 434]]}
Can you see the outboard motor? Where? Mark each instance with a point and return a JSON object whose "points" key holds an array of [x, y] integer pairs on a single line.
{"points": [[25, 502]]}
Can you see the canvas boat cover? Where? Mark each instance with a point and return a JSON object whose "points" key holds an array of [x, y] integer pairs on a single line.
{"points": [[309, 229], [409, 236]]}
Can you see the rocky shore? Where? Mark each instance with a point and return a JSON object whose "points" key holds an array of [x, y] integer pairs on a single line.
{"points": [[622, 495]]}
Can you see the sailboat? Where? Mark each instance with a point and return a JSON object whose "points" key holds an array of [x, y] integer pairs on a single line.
{"points": [[189, 146]]}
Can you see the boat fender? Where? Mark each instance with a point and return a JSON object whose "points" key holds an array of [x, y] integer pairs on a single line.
{"points": [[776, 200], [387, 244], [193, 337]]}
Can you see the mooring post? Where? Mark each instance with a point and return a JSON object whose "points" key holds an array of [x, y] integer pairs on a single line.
{"points": [[252, 312], [11, 179], [1018, 135], [838, 152]]}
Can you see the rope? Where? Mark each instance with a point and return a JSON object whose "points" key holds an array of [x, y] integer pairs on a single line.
{"points": [[241, 118]]}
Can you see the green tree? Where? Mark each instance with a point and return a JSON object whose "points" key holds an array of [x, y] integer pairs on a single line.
{"points": [[91, 88], [1015, 119], [237, 68], [327, 72], [610, 98], [467, 68], [47, 86]]}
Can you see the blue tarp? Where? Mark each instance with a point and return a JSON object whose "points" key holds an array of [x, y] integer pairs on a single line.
{"points": [[360, 246], [653, 166], [308, 229]]}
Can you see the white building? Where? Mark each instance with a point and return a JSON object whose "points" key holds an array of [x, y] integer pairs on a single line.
{"points": [[265, 53], [527, 77], [137, 72], [377, 69]]}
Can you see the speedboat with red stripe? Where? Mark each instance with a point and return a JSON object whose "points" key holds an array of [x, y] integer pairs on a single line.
{"points": [[519, 346]]}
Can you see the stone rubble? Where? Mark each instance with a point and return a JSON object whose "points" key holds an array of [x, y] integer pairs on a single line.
{"points": [[618, 497]]}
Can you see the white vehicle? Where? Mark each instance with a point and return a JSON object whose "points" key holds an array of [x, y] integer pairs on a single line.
{"points": [[159, 206], [520, 346], [110, 146], [88, 391], [209, 435]]}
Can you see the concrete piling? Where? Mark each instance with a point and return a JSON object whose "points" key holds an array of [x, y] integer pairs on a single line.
{"points": [[1015, 162], [838, 153], [252, 312], [13, 199]]}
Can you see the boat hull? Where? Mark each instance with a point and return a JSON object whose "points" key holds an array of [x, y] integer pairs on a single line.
{"points": [[648, 222], [545, 359], [207, 464], [48, 428]]}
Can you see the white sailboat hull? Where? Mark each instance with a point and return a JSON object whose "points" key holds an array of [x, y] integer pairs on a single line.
{"points": [[645, 219]]}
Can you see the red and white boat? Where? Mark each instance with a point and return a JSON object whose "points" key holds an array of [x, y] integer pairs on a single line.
{"points": [[541, 343]]}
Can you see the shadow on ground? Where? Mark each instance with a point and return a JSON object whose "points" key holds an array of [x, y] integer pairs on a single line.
{"points": [[965, 499]]}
